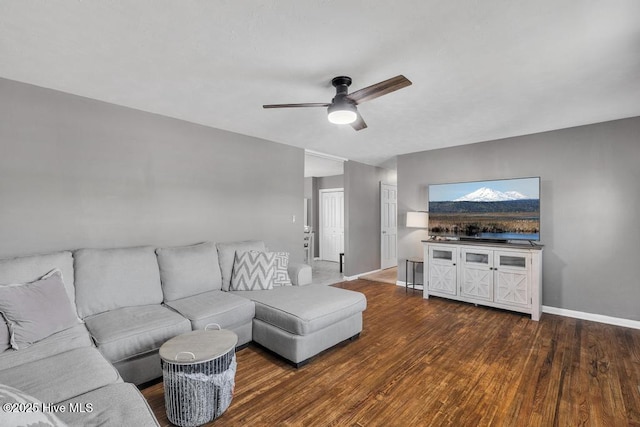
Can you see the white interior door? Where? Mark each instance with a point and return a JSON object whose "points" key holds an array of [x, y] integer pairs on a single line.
{"points": [[331, 224], [388, 225]]}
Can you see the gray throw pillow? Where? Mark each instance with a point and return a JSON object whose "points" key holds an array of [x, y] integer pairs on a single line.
{"points": [[227, 256], [36, 310], [253, 271]]}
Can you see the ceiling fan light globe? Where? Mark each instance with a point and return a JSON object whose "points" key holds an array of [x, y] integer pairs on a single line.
{"points": [[342, 117]]}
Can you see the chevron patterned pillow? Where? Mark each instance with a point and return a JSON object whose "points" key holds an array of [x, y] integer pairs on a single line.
{"points": [[253, 271], [281, 275]]}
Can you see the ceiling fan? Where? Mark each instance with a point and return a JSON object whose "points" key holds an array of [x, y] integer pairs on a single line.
{"points": [[342, 109]]}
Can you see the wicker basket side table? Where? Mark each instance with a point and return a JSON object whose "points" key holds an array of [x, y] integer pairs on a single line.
{"points": [[198, 370]]}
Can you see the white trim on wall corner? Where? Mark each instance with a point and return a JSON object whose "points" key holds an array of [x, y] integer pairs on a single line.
{"points": [[326, 156], [618, 321], [357, 276]]}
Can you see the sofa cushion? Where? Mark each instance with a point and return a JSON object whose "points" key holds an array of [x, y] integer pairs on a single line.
{"points": [[18, 416], [131, 331], [281, 273], [108, 279], [62, 376], [253, 271], [114, 405], [36, 310], [30, 268], [227, 256], [303, 310], [223, 308], [189, 270], [69, 339]]}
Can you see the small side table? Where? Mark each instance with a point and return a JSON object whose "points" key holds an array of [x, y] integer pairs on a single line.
{"points": [[198, 370], [413, 262]]}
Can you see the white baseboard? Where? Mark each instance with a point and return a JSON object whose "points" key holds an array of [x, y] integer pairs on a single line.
{"points": [[617, 321], [627, 323], [357, 276]]}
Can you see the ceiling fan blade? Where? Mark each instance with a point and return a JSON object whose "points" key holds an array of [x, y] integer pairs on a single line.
{"points": [[312, 104], [359, 124], [379, 89]]}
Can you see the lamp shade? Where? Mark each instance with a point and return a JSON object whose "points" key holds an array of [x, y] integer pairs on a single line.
{"points": [[418, 219]]}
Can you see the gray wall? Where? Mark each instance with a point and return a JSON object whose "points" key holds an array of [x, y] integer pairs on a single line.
{"points": [[77, 173], [308, 187], [362, 216], [590, 199], [326, 182]]}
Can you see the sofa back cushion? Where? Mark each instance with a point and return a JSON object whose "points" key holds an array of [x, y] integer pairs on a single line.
{"points": [[189, 270], [227, 255], [31, 268], [108, 279]]}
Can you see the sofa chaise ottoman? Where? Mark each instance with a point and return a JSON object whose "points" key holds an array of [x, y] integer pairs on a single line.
{"points": [[298, 322]]}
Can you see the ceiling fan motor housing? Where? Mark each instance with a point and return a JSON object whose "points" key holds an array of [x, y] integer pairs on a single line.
{"points": [[341, 83]]}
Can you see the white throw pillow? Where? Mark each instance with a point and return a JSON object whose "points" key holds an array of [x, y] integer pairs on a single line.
{"points": [[20, 409], [281, 273], [253, 271]]}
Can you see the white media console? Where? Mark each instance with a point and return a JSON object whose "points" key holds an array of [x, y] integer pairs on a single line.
{"points": [[507, 276]]}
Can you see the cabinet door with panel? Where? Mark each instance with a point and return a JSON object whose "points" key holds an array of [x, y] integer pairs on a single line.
{"points": [[476, 273], [443, 269], [512, 276]]}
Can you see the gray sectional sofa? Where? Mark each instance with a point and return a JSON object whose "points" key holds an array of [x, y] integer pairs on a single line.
{"points": [[129, 301]]}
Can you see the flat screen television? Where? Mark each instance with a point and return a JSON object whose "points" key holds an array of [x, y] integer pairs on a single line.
{"points": [[505, 209]]}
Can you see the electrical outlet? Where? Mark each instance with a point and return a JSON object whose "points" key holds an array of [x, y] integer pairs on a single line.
{"points": [[293, 219]]}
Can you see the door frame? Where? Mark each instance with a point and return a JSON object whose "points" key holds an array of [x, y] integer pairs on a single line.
{"points": [[320, 217], [382, 183]]}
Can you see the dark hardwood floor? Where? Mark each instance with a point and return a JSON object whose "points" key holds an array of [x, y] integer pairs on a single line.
{"points": [[439, 362]]}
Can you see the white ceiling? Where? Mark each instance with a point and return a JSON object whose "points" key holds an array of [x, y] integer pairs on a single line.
{"points": [[481, 70]]}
